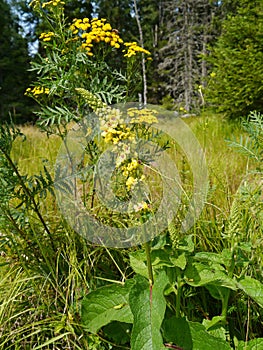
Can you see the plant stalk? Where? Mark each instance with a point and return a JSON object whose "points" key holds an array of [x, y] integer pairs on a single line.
{"points": [[178, 294], [149, 262], [30, 196]]}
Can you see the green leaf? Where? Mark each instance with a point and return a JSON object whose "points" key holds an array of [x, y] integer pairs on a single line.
{"points": [[198, 275], [255, 344], [213, 257], [106, 304], [215, 327], [148, 308], [177, 331], [187, 244], [217, 292], [253, 288], [138, 264], [161, 258], [180, 261], [119, 332], [191, 335], [214, 323]]}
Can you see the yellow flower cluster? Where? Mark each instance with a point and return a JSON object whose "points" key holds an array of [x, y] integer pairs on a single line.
{"points": [[133, 48], [46, 36], [114, 136], [95, 31], [114, 130], [182, 109], [132, 181], [131, 172], [37, 90], [127, 168], [143, 115], [53, 3], [112, 126], [141, 206]]}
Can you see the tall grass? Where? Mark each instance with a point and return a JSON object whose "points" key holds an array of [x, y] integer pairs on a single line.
{"points": [[43, 279], [29, 153]]}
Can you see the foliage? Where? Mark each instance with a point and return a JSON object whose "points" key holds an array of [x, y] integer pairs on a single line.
{"points": [[66, 293], [78, 54], [201, 299], [235, 84]]}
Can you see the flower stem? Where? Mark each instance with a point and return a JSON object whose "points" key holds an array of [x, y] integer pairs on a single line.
{"points": [[149, 262]]}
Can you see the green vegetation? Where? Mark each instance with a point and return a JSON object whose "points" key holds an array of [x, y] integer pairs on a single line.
{"points": [[239, 51], [214, 270], [67, 285]]}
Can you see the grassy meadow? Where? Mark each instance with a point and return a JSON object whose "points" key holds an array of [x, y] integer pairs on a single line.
{"points": [[44, 274]]}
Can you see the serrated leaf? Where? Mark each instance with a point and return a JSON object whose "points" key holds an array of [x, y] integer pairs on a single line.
{"points": [[106, 304], [148, 308], [253, 288], [191, 335]]}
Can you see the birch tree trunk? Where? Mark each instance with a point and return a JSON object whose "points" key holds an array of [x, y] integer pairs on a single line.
{"points": [[144, 77]]}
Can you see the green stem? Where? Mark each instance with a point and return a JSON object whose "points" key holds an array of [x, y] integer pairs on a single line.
{"points": [[149, 262], [225, 300], [178, 294]]}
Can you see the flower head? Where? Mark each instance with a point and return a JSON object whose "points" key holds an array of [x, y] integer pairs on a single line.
{"points": [[37, 90], [133, 48]]}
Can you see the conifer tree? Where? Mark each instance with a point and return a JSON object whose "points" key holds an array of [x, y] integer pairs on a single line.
{"points": [[14, 63], [235, 84]]}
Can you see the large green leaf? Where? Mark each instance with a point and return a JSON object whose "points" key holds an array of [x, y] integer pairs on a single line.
{"points": [[159, 259], [191, 335], [198, 274], [138, 262], [255, 344], [148, 308], [118, 332], [253, 288], [106, 304], [223, 258]]}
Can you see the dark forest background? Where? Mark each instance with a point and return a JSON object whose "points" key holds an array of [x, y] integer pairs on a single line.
{"points": [[205, 53]]}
